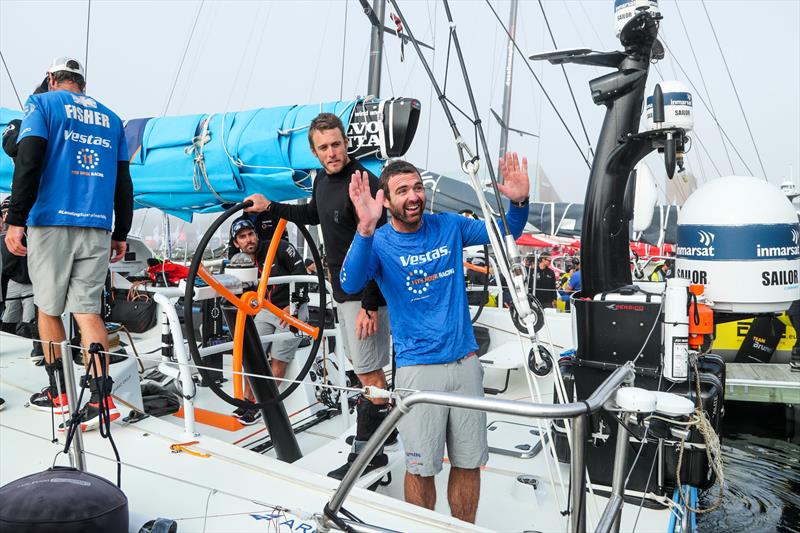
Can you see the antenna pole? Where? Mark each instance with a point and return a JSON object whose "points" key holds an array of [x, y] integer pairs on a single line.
{"points": [[506, 113], [376, 49]]}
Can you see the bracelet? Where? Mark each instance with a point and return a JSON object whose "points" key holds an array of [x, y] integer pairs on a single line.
{"points": [[523, 203]]}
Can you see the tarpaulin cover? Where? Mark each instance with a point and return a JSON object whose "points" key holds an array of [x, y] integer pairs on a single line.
{"points": [[196, 163]]}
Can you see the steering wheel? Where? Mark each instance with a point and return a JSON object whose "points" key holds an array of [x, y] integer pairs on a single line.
{"points": [[250, 304]]}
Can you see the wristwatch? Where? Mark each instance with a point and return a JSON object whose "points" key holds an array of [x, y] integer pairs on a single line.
{"points": [[523, 203]]}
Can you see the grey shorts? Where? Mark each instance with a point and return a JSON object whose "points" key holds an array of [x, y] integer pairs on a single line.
{"points": [[371, 353], [282, 349], [427, 428], [68, 267], [19, 303]]}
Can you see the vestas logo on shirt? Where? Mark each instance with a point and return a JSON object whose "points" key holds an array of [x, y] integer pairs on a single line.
{"points": [[74, 136], [418, 259]]}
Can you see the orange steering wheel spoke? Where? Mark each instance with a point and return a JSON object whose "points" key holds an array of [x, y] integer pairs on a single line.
{"points": [[238, 347], [308, 329]]}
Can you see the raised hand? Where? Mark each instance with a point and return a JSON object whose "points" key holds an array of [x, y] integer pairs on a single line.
{"points": [[515, 184], [368, 209]]}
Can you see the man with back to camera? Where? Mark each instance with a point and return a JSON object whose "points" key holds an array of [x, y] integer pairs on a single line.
{"points": [[362, 315], [417, 261], [71, 177]]}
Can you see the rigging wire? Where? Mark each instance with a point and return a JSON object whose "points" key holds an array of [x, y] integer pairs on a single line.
{"points": [[11, 80], [263, 25], [705, 104], [705, 86], [183, 58], [243, 56], [549, 100], [344, 47], [735, 91], [86, 49], [569, 85], [430, 89], [320, 54]]}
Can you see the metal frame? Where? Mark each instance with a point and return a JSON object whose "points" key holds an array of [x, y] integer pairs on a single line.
{"points": [[580, 411]]}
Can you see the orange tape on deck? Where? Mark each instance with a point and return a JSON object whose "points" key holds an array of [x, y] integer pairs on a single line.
{"points": [[212, 418]]}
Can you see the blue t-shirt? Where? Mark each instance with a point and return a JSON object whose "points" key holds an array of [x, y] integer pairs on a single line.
{"points": [[575, 281], [85, 140], [421, 276]]}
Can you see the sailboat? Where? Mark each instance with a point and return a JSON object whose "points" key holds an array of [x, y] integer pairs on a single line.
{"points": [[210, 474]]}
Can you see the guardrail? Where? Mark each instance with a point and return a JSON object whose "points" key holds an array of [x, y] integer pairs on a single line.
{"points": [[579, 411]]}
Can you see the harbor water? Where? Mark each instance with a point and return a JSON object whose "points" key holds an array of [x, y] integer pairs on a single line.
{"points": [[761, 457]]}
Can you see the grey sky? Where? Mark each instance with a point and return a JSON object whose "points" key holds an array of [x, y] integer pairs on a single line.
{"points": [[261, 54]]}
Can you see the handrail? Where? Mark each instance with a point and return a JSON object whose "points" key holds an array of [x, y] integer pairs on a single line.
{"points": [[599, 397]]}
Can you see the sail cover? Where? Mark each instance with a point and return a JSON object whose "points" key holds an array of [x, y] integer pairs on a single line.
{"points": [[199, 163]]}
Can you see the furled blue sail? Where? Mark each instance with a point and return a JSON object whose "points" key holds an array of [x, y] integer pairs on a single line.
{"points": [[198, 163]]}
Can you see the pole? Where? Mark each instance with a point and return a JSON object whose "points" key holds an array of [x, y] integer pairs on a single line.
{"points": [[578, 470], [376, 50], [506, 112], [72, 399]]}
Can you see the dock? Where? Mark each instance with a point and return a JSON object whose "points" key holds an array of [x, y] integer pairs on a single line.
{"points": [[769, 383]]}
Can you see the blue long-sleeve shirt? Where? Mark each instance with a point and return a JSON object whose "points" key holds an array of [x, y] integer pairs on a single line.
{"points": [[421, 275]]}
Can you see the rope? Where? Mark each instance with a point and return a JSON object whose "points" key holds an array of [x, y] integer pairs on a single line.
{"points": [[367, 391], [167, 476], [735, 91], [713, 450]]}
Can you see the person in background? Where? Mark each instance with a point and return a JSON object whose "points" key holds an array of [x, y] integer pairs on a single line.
{"points": [[545, 282], [287, 262], [15, 268]]}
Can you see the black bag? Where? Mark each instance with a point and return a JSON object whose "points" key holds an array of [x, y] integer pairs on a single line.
{"points": [[135, 310], [761, 340]]}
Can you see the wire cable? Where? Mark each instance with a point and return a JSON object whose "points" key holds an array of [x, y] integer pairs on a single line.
{"points": [[183, 58], [569, 85], [705, 86], [86, 49], [344, 47], [538, 81], [735, 91], [705, 104], [11, 80]]}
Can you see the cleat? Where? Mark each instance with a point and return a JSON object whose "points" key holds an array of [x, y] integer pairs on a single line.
{"points": [[248, 417]]}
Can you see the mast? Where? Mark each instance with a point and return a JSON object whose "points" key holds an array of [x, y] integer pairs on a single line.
{"points": [[376, 49], [506, 111]]}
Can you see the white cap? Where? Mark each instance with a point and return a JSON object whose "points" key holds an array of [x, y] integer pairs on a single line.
{"points": [[66, 64]]}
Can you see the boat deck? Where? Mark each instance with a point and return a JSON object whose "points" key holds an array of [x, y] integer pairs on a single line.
{"points": [[235, 489]]}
